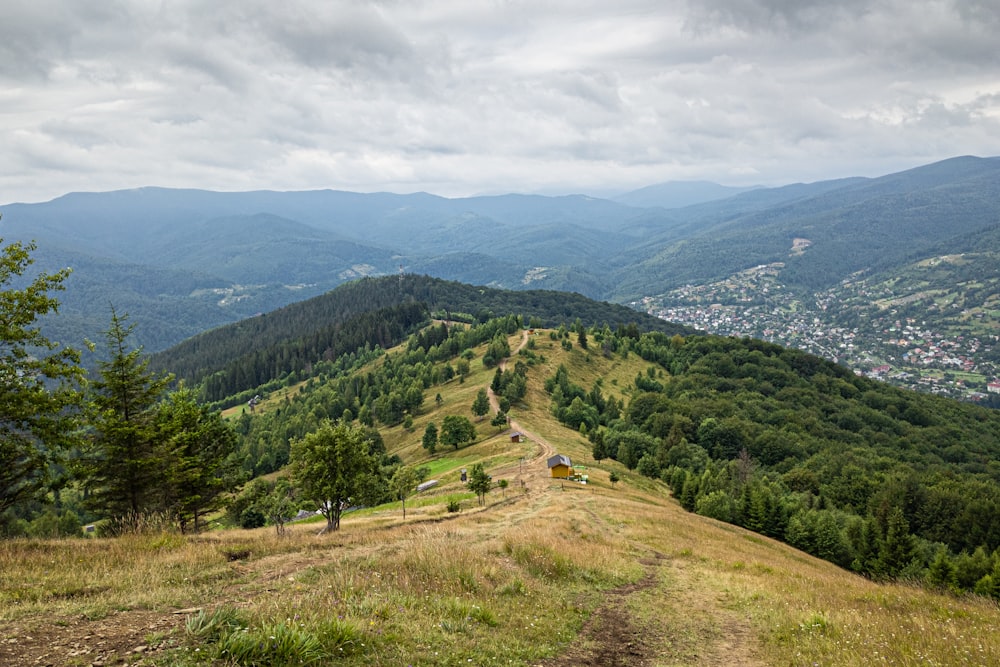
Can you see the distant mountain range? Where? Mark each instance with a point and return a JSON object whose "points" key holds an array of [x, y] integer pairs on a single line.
{"points": [[183, 261], [678, 194]]}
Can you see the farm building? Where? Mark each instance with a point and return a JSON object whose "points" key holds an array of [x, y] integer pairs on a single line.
{"points": [[560, 466]]}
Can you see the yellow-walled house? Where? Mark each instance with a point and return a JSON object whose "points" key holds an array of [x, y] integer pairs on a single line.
{"points": [[560, 466]]}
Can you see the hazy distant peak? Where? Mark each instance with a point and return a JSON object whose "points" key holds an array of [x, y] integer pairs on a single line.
{"points": [[678, 194]]}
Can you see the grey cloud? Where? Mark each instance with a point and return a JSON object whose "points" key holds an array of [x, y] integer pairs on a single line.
{"points": [[483, 95], [355, 36]]}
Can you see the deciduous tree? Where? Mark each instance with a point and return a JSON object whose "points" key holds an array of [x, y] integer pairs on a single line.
{"points": [[479, 482], [402, 484], [333, 468], [456, 431], [39, 380]]}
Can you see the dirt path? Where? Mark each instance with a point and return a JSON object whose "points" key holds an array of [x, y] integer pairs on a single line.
{"points": [[122, 638], [545, 448], [611, 637]]}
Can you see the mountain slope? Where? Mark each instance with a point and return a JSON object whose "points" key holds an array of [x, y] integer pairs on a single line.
{"points": [[292, 337], [678, 194], [262, 250], [868, 225]]}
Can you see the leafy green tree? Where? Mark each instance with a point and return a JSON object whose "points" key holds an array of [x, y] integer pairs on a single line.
{"points": [[718, 504], [198, 445], [334, 468], [613, 478], [126, 460], [503, 484], [242, 510], [499, 420], [479, 482], [456, 431], [278, 505], [402, 484], [430, 439], [39, 380]]}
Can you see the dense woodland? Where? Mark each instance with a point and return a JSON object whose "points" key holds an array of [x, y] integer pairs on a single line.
{"points": [[377, 311], [883, 481]]}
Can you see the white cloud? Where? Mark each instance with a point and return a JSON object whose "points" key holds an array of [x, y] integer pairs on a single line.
{"points": [[487, 96]]}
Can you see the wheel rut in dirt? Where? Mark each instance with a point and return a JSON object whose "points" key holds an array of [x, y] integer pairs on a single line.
{"points": [[611, 637]]}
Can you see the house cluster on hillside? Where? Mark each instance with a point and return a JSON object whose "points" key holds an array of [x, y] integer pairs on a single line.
{"points": [[902, 351]]}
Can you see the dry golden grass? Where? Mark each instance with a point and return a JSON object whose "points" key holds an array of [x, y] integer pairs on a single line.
{"points": [[512, 583]]}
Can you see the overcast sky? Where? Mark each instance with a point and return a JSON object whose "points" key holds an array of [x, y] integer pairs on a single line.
{"points": [[464, 97]]}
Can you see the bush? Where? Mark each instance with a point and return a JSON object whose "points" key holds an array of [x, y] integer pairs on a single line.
{"points": [[252, 518]]}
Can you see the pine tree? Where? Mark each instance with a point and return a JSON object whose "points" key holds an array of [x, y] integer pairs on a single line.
{"points": [[896, 549], [125, 466], [198, 444], [430, 439], [481, 405], [941, 572]]}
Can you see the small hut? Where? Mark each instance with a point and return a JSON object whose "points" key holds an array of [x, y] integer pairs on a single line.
{"points": [[560, 466], [516, 437]]}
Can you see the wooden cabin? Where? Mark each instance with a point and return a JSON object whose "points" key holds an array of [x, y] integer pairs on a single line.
{"points": [[560, 466]]}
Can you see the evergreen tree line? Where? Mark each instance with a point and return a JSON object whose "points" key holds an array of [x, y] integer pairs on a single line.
{"points": [[382, 328], [260, 349], [885, 482]]}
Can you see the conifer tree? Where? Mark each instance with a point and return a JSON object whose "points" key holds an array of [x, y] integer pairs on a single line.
{"points": [[896, 549], [481, 405], [125, 467], [430, 439], [198, 444]]}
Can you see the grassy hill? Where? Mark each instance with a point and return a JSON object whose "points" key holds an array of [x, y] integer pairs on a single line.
{"points": [[547, 573]]}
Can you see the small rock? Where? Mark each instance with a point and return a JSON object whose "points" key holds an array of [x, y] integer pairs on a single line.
{"points": [[140, 649]]}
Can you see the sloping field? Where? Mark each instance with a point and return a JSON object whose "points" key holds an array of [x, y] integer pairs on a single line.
{"points": [[547, 573]]}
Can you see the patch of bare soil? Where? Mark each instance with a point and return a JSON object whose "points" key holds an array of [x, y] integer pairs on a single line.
{"points": [[610, 637], [123, 638]]}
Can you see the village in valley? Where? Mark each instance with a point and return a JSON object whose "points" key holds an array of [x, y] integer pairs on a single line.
{"points": [[904, 337]]}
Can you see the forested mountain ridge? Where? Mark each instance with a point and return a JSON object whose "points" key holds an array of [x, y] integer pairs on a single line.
{"points": [[256, 251], [870, 224], [886, 482], [376, 311]]}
